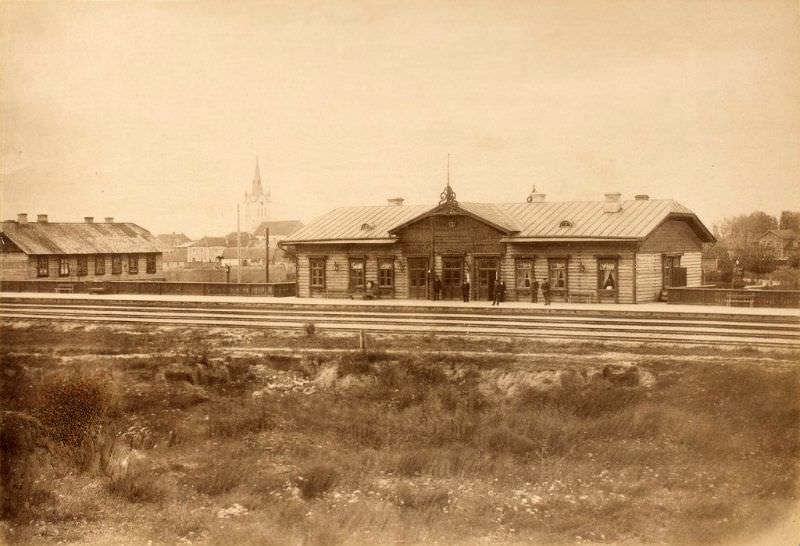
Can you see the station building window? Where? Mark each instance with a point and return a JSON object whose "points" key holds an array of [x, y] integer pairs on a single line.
{"points": [[151, 263], [116, 265], [607, 274], [133, 263], [524, 269], [100, 265], [83, 265], [356, 273], [386, 273], [63, 267], [317, 276], [557, 273], [42, 266]]}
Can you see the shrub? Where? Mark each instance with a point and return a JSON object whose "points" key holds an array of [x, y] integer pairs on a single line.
{"points": [[310, 328], [72, 407], [237, 420], [316, 480], [219, 480], [137, 488], [503, 439]]}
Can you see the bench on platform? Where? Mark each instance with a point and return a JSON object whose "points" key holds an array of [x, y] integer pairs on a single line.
{"points": [[741, 299], [97, 288], [65, 288], [583, 296]]}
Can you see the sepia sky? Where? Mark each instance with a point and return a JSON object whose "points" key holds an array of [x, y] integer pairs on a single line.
{"points": [[154, 112]]}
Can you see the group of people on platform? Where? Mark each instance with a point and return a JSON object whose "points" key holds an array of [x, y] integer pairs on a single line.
{"points": [[499, 292]]}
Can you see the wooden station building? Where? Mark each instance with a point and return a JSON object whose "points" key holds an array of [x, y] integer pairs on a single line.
{"points": [[599, 251], [77, 251]]}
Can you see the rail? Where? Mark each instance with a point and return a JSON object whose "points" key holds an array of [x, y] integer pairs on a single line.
{"points": [[731, 297], [275, 289]]}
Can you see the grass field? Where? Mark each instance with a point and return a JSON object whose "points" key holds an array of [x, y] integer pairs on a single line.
{"points": [[146, 435]]}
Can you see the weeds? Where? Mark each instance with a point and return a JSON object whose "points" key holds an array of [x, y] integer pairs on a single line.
{"points": [[316, 480]]}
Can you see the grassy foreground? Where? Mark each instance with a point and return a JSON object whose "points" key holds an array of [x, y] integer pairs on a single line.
{"points": [[126, 435]]}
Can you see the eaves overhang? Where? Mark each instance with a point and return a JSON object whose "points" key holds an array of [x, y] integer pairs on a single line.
{"points": [[341, 242], [569, 240]]}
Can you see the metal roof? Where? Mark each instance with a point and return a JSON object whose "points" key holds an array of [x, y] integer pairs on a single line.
{"points": [[80, 238], [587, 220], [278, 227], [357, 223]]}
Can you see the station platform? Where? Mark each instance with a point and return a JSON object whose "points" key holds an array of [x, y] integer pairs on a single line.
{"points": [[405, 305]]}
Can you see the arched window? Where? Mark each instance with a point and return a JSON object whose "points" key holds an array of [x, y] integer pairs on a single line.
{"points": [[565, 224]]}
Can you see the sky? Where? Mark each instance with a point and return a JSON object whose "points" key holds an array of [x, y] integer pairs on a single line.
{"points": [[154, 112]]}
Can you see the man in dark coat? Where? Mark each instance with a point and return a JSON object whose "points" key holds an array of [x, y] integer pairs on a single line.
{"points": [[437, 288], [496, 295], [465, 290], [535, 291], [546, 291]]}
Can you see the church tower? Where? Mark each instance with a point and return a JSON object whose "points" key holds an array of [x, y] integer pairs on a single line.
{"points": [[256, 203]]}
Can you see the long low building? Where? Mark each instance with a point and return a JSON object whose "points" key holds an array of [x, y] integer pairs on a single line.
{"points": [[604, 251], [77, 251]]}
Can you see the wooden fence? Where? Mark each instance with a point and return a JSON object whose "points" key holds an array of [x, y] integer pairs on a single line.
{"points": [[734, 297], [276, 289]]}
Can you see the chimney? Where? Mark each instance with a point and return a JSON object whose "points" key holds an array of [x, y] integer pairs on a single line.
{"points": [[88, 219], [22, 218], [109, 219], [41, 218], [396, 201], [642, 197], [535, 197], [612, 203]]}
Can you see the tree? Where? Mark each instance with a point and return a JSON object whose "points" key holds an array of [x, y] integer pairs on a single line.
{"points": [[739, 232], [789, 220]]}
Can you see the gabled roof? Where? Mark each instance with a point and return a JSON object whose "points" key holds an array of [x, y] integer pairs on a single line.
{"points": [[278, 228], [786, 234], [581, 220], [210, 241], [171, 240], [346, 223], [80, 238]]}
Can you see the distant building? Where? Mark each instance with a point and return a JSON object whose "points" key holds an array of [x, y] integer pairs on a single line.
{"points": [[257, 203], [278, 230], [604, 251], [169, 241], [205, 250], [77, 251], [780, 243]]}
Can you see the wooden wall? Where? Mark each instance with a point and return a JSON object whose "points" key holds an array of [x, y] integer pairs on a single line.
{"points": [[673, 237], [581, 267], [20, 266]]}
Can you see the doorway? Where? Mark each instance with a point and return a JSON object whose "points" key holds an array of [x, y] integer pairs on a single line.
{"points": [[487, 275], [452, 277], [418, 278]]}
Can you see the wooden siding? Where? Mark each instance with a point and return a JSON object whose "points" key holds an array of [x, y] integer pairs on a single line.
{"points": [[670, 237], [337, 283], [14, 266], [25, 268], [649, 276], [581, 268]]}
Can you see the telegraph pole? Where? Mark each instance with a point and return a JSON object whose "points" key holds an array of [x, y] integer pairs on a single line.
{"points": [[238, 249], [267, 261]]}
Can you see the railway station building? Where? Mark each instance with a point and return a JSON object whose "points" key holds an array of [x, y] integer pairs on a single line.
{"points": [[606, 251], [78, 251]]}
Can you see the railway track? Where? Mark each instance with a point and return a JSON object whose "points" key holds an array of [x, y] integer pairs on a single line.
{"points": [[753, 330]]}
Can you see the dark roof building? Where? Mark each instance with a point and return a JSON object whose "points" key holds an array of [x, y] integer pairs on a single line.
{"points": [[277, 228], [77, 250], [612, 250]]}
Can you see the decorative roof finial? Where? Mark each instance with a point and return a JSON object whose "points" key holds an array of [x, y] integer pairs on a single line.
{"points": [[448, 195]]}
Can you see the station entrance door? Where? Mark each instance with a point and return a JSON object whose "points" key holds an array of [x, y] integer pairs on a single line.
{"points": [[452, 277], [487, 275]]}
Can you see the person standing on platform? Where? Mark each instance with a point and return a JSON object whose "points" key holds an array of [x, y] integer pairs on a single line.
{"points": [[502, 290], [437, 288], [535, 291], [546, 291], [465, 289], [496, 295]]}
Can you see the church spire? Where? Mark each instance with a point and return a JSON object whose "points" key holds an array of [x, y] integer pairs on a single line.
{"points": [[257, 189]]}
